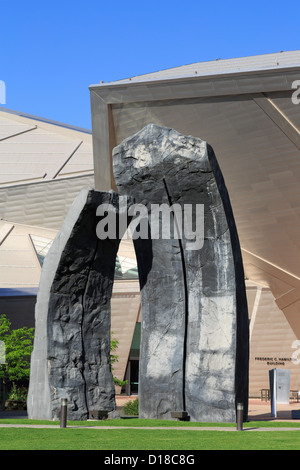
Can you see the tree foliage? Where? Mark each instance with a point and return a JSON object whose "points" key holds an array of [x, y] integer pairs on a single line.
{"points": [[114, 358], [18, 347]]}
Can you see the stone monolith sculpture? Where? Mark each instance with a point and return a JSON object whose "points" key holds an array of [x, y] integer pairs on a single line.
{"points": [[194, 343], [71, 356]]}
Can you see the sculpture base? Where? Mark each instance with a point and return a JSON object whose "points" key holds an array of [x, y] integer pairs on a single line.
{"points": [[181, 415]]}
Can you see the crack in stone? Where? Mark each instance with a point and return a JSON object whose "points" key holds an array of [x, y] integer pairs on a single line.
{"points": [[186, 316], [82, 322]]}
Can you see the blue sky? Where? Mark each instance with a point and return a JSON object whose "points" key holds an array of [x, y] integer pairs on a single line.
{"points": [[52, 51]]}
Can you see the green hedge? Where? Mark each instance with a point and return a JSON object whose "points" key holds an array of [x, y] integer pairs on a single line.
{"points": [[131, 407]]}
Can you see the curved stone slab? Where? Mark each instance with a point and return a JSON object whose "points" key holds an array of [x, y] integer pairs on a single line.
{"points": [[194, 343], [71, 356]]}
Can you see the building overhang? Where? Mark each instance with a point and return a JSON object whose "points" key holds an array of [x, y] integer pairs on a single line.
{"points": [[245, 110]]}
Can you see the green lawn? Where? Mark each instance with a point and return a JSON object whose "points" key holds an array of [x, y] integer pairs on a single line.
{"points": [[151, 423], [133, 439], [12, 438]]}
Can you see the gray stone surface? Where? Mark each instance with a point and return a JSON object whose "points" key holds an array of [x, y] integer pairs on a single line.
{"points": [[71, 356], [194, 344]]}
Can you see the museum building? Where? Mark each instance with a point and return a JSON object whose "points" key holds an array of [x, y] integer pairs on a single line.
{"points": [[247, 110]]}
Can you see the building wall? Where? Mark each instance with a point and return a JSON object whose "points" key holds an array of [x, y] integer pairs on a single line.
{"points": [[19, 310], [273, 343], [243, 108], [271, 336]]}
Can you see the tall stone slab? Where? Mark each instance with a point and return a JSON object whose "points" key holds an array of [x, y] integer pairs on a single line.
{"points": [[194, 343], [71, 355]]}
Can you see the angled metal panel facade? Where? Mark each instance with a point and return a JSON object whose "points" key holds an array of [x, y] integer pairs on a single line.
{"points": [[33, 150], [42, 204]]}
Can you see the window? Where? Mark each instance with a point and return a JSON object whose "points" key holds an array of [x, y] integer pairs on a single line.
{"points": [[42, 246], [126, 268]]}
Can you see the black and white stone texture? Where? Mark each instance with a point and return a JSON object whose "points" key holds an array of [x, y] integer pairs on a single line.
{"points": [[71, 356], [194, 339]]}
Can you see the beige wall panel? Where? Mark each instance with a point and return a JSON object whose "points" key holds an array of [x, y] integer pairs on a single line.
{"points": [[5, 229], [18, 276], [292, 313], [45, 125], [101, 143], [81, 161], [126, 248], [41, 204], [129, 287], [34, 155], [33, 149], [9, 128], [251, 292], [19, 265], [271, 345], [18, 257], [263, 277], [124, 314], [287, 107], [250, 149]]}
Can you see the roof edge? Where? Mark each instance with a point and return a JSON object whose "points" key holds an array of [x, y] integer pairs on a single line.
{"points": [[150, 77], [45, 120]]}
